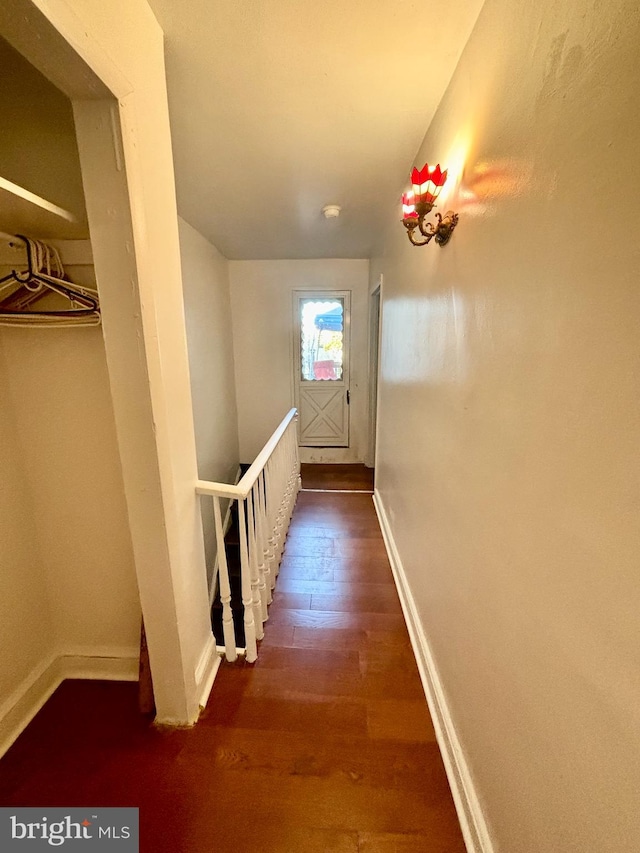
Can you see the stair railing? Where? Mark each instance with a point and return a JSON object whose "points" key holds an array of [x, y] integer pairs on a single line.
{"points": [[266, 495]]}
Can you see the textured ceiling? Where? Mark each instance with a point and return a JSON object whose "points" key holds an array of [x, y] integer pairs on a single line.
{"points": [[279, 107]]}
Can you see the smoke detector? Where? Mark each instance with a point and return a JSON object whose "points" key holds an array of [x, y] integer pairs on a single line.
{"points": [[331, 211]]}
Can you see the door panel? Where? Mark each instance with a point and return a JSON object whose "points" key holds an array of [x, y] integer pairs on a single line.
{"points": [[323, 415], [321, 367]]}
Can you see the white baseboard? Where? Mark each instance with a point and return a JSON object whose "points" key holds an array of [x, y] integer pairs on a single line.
{"points": [[23, 704], [472, 821], [17, 711], [207, 670], [101, 667]]}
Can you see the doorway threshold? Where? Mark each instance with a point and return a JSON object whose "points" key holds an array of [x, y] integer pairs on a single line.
{"points": [[337, 477]]}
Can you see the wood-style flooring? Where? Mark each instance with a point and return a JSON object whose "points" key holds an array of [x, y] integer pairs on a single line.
{"points": [[337, 477], [325, 745]]}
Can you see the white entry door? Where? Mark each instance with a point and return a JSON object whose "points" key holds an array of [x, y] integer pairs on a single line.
{"points": [[321, 367]]}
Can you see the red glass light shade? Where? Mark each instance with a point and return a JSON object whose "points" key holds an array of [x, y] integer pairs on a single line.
{"points": [[408, 207], [427, 183]]}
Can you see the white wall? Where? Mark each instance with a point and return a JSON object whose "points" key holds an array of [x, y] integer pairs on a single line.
{"points": [[56, 386], [509, 420], [27, 632], [26, 627], [261, 304], [207, 304]]}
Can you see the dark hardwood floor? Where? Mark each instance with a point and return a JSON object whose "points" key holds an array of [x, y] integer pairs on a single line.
{"points": [[325, 745], [337, 477]]}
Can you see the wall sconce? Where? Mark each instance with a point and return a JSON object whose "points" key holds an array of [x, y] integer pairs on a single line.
{"points": [[416, 206]]}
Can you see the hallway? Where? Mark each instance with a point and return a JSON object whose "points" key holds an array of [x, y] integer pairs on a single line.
{"points": [[324, 746]]}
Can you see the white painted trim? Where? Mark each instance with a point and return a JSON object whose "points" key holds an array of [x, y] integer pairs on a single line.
{"points": [[474, 827], [23, 704], [373, 368], [207, 670], [99, 668], [17, 711], [376, 443]]}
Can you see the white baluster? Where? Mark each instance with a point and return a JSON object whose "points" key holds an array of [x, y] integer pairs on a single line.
{"points": [[263, 565], [253, 566], [296, 453], [293, 483], [280, 525], [270, 487], [296, 459], [225, 588], [287, 485], [291, 475], [247, 596]]}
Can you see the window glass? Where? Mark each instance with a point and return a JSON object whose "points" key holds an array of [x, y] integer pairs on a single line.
{"points": [[321, 324]]}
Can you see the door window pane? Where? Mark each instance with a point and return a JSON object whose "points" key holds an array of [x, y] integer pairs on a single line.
{"points": [[321, 338]]}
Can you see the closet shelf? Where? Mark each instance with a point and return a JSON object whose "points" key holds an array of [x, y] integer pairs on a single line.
{"points": [[21, 211]]}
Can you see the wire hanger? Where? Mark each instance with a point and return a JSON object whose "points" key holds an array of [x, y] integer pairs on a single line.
{"points": [[34, 282]]}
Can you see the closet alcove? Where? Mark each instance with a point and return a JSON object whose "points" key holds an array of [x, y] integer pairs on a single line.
{"points": [[68, 592]]}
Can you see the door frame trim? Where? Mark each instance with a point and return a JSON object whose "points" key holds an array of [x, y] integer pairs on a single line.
{"points": [[375, 339]]}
